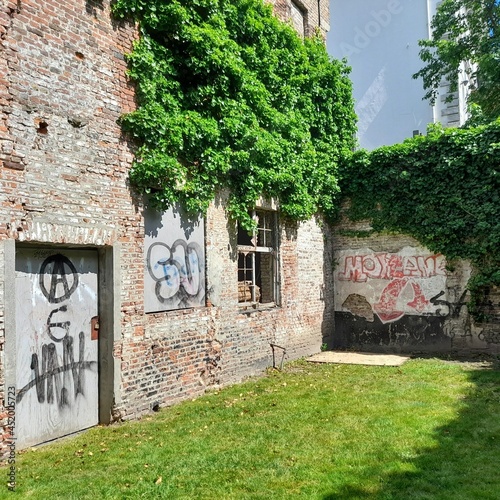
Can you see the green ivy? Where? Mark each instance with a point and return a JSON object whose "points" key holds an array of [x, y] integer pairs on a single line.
{"points": [[443, 189], [230, 97]]}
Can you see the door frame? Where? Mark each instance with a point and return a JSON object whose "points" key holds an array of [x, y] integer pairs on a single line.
{"points": [[109, 320]]}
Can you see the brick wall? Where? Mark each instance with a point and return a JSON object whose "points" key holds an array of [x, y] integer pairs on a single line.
{"points": [[63, 162], [315, 13], [63, 183], [489, 308], [393, 295]]}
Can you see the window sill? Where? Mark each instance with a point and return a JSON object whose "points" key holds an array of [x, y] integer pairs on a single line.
{"points": [[249, 307]]}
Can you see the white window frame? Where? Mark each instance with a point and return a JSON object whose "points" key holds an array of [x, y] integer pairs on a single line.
{"points": [[268, 227]]}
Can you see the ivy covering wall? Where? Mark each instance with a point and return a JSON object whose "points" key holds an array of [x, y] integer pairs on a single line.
{"points": [[230, 97], [443, 189]]}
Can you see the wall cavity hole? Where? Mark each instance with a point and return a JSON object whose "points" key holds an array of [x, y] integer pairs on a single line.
{"points": [[155, 406], [80, 56], [42, 128]]}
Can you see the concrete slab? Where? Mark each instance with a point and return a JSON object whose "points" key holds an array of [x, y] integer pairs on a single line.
{"points": [[356, 358]]}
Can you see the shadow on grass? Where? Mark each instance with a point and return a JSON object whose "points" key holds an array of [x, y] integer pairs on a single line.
{"points": [[464, 464]]}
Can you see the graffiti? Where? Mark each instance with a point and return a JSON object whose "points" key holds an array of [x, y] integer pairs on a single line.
{"points": [[47, 377], [57, 267], [51, 379], [387, 266], [386, 307], [415, 330], [397, 284], [56, 360], [63, 325], [178, 272], [490, 337], [411, 330], [174, 260], [453, 309]]}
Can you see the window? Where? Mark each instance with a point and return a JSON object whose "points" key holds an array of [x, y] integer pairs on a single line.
{"points": [[258, 261], [298, 19]]}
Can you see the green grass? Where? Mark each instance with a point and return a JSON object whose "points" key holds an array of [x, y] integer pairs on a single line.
{"points": [[429, 429]]}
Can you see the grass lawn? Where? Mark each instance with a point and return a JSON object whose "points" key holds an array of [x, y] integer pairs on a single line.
{"points": [[427, 430]]}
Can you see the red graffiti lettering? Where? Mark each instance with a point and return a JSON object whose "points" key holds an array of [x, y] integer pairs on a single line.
{"points": [[387, 266], [353, 270]]}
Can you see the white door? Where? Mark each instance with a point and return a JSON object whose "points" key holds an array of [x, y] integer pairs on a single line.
{"points": [[56, 343]]}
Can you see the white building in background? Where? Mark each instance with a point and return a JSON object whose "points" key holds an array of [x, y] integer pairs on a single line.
{"points": [[379, 39]]}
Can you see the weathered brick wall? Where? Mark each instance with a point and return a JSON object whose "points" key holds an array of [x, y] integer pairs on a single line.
{"points": [[489, 308], [390, 297], [315, 13], [7, 153], [63, 182], [66, 88], [63, 162], [178, 354]]}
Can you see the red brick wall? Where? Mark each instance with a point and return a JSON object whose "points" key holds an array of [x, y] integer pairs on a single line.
{"points": [[63, 181], [63, 162], [316, 13]]}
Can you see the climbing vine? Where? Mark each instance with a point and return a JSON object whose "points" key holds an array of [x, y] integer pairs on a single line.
{"points": [[230, 97], [443, 189]]}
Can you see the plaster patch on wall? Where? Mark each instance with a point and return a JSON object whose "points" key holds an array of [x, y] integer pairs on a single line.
{"points": [[50, 232], [394, 284]]}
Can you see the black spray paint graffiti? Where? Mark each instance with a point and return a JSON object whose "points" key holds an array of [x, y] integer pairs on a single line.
{"points": [[63, 325], [453, 309], [489, 336], [57, 266], [47, 378], [178, 271], [63, 278]]}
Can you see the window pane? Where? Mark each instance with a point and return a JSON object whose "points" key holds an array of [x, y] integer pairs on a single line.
{"points": [[265, 276], [257, 265], [298, 19], [265, 229], [245, 269], [243, 237]]}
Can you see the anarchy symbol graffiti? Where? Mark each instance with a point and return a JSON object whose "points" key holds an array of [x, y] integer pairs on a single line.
{"points": [[61, 273]]}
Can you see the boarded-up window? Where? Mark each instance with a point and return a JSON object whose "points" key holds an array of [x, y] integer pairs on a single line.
{"points": [[174, 256]]}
